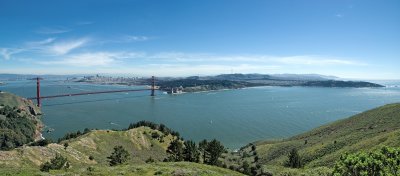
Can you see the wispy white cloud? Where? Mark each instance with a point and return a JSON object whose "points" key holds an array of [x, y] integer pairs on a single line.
{"points": [[81, 23], [136, 38], [190, 69], [316, 61], [61, 48], [310, 60], [40, 43], [90, 59], [52, 30], [6, 53], [339, 15]]}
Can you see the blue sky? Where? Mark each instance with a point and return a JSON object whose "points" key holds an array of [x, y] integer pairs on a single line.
{"points": [[345, 38]]}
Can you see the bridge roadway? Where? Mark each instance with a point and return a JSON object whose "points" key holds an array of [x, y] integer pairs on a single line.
{"points": [[87, 93]]}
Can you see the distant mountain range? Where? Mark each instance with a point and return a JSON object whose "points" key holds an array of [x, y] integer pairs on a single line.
{"points": [[255, 76]]}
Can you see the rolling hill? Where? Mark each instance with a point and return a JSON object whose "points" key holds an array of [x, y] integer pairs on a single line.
{"points": [[98, 144], [320, 148]]}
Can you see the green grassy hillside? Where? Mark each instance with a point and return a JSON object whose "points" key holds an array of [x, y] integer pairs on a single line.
{"points": [[16, 101], [323, 146], [99, 144]]}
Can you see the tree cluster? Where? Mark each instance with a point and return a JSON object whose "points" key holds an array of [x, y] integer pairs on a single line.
{"points": [[208, 151], [42, 142], [160, 127], [15, 129], [73, 135]]}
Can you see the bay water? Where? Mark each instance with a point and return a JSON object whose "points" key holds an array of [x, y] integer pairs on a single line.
{"points": [[235, 117]]}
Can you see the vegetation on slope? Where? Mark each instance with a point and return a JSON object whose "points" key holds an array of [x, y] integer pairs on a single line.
{"points": [[19, 121], [91, 154], [335, 83], [320, 148], [235, 81], [195, 85], [385, 161]]}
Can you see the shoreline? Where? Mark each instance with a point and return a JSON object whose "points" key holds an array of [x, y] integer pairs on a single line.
{"points": [[225, 89]]}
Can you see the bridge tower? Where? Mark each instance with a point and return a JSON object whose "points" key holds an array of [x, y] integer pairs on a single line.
{"points": [[38, 91], [153, 85]]}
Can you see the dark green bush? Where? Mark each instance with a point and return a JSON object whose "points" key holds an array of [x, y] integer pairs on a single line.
{"points": [[381, 162], [119, 156], [42, 142], [57, 163], [294, 159]]}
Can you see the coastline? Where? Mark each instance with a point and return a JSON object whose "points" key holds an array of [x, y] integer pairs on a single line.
{"points": [[245, 87]]}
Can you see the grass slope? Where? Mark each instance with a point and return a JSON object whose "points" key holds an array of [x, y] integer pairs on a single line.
{"points": [[16, 101], [322, 147], [99, 144]]}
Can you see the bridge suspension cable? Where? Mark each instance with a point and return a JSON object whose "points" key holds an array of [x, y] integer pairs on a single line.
{"points": [[38, 97]]}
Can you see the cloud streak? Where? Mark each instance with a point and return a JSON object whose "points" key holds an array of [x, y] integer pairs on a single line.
{"points": [[55, 30], [6, 53], [316, 61], [136, 38], [104, 59], [65, 47], [40, 43]]}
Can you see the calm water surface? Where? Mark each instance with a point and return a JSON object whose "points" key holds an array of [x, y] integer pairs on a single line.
{"points": [[235, 117]]}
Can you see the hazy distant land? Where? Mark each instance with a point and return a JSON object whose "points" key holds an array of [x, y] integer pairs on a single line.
{"points": [[229, 81]]}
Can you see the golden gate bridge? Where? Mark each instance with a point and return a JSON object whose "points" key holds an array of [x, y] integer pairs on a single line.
{"points": [[38, 97]]}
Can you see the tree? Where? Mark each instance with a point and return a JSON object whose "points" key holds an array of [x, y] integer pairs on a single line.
{"points": [[66, 145], [175, 149], [191, 152], [214, 150], [56, 163], [246, 168], [155, 135], [119, 156], [202, 148], [294, 159]]}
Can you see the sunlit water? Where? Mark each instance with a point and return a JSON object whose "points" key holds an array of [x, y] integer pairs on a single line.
{"points": [[235, 117]]}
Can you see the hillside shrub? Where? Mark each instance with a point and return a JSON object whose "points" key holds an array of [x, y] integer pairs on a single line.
{"points": [[294, 159], [57, 163], [150, 160], [385, 161], [119, 156], [42, 142]]}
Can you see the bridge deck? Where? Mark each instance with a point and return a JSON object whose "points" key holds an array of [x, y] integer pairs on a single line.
{"points": [[88, 93]]}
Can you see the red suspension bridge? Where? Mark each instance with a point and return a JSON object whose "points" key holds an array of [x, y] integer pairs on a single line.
{"points": [[39, 97]]}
